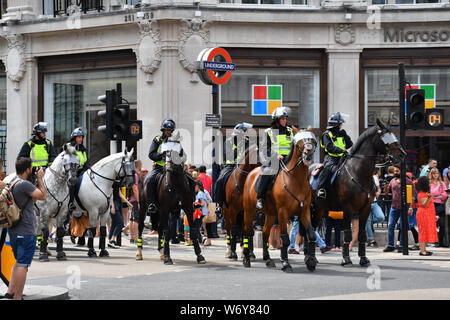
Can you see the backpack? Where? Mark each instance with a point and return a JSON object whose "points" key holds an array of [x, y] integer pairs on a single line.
{"points": [[10, 213]]}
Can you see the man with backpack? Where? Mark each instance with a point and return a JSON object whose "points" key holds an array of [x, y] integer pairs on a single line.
{"points": [[23, 234]]}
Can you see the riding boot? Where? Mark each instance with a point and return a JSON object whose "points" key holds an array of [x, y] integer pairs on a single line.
{"points": [[262, 188], [323, 180], [71, 204]]}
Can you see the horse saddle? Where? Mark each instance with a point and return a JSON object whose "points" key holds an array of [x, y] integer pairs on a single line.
{"points": [[315, 173], [269, 185]]}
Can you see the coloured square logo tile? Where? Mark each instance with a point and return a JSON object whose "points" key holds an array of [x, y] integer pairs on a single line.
{"points": [[265, 99]]}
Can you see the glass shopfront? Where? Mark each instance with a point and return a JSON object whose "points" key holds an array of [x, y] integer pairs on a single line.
{"points": [[3, 120]]}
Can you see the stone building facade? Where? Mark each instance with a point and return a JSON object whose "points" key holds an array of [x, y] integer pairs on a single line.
{"points": [[322, 56]]}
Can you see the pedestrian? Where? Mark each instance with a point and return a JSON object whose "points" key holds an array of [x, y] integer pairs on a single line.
{"points": [[426, 216], [395, 214], [274, 236], [376, 213], [439, 194], [201, 198], [355, 230], [187, 239], [205, 179], [135, 204], [23, 235], [432, 163], [116, 213], [331, 224], [294, 238]]}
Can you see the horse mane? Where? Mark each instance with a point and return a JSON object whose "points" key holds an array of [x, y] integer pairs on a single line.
{"points": [[366, 134], [104, 161]]}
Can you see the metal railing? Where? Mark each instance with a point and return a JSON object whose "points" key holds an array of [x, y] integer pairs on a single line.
{"points": [[61, 7]]}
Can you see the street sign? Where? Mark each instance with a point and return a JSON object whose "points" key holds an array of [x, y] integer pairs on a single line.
{"points": [[214, 66], [213, 120]]}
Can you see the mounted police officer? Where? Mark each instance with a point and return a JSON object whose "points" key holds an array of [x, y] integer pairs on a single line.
{"points": [[167, 128], [335, 142], [39, 149], [76, 140], [234, 147], [275, 146]]}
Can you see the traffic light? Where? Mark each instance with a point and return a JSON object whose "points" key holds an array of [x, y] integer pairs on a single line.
{"points": [[109, 100], [434, 119], [121, 121], [415, 109]]}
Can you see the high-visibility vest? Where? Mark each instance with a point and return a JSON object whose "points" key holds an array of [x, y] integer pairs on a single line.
{"points": [[337, 141], [39, 154], [238, 158], [83, 158], [282, 144], [160, 162]]}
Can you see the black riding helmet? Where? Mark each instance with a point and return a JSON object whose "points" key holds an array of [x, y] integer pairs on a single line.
{"points": [[335, 120], [168, 124], [39, 127]]}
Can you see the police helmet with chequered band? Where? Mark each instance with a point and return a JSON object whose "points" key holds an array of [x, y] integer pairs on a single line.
{"points": [[279, 113], [77, 133], [40, 127], [335, 120], [168, 124]]}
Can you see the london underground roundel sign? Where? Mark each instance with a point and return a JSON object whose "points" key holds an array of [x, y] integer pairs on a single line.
{"points": [[215, 66]]}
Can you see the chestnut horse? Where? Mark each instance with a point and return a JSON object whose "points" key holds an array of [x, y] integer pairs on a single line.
{"points": [[353, 189], [289, 196], [233, 204]]}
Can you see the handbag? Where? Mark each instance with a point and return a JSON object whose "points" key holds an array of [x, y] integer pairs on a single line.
{"points": [[211, 217]]}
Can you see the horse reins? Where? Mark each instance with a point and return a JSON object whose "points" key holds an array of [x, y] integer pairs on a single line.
{"points": [[60, 203]]}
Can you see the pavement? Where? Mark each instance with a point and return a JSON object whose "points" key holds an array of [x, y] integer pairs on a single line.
{"points": [[214, 254]]}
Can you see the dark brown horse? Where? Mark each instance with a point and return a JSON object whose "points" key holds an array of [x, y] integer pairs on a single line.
{"points": [[353, 189], [174, 193], [233, 205], [290, 195]]}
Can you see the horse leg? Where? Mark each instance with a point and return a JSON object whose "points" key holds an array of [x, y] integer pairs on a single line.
{"points": [[142, 214], [91, 235], [269, 221], [60, 232], [247, 240], [234, 235], [346, 261], [103, 233], [362, 238], [310, 243], [166, 237], [43, 248], [229, 235]]}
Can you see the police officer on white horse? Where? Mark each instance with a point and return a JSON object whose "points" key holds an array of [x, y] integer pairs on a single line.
{"points": [[275, 146], [335, 141], [76, 140]]}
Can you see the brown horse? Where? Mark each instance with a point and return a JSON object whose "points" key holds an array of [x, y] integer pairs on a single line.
{"points": [[290, 195], [233, 205], [353, 189]]}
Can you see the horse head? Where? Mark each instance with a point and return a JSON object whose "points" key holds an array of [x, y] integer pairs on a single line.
{"points": [[305, 141], [127, 168], [71, 162], [386, 143], [173, 152]]}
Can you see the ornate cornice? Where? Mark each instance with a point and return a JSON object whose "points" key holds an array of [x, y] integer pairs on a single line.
{"points": [[193, 37], [15, 64], [148, 53]]}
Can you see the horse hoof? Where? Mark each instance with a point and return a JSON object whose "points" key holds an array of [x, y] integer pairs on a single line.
{"points": [[233, 256], [61, 256], [364, 262], [347, 263], [104, 253], [43, 257], [92, 253], [246, 263], [287, 268], [311, 264], [139, 254], [168, 261], [201, 259], [270, 264]]}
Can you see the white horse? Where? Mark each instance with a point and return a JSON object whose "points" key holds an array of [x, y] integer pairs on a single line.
{"points": [[57, 178], [96, 190]]}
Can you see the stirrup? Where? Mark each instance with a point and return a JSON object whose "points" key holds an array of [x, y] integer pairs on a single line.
{"points": [[151, 208], [260, 204], [72, 206], [322, 193]]}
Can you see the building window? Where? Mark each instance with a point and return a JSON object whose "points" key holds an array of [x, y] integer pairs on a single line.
{"points": [[252, 95], [263, 1], [382, 91], [70, 101], [378, 1], [416, 1]]}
